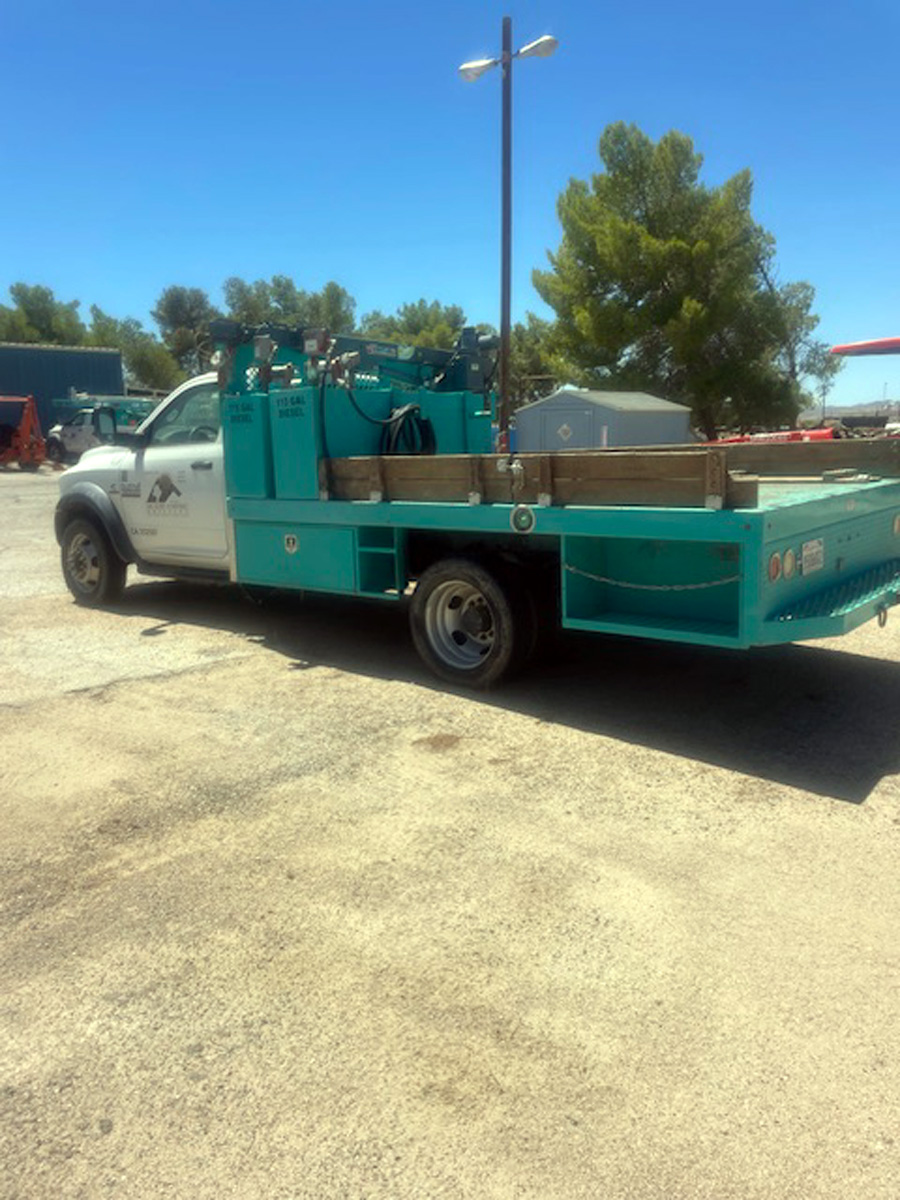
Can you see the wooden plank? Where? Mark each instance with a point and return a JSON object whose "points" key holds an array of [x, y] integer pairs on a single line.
{"points": [[876, 456], [813, 481], [377, 482], [545, 480], [630, 464], [656, 493], [715, 480], [681, 478], [476, 487], [741, 490]]}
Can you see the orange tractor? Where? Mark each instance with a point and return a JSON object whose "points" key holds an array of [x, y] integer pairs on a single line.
{"points": [[22, 441]]}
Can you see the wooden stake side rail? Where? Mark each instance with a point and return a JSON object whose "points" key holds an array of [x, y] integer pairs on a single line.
{"points": [[872, 456], [682, 478], [875, 456]]}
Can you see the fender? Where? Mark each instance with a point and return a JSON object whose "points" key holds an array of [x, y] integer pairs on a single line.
{"points": [[90, 500]]}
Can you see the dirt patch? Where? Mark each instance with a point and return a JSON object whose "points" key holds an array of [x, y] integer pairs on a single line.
{"points": [[439, 743]]}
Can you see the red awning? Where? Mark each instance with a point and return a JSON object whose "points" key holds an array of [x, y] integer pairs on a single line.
{"points": [[879, 346]]}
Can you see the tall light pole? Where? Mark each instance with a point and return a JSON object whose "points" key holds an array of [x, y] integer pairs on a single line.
{"points": [[542, 48]]}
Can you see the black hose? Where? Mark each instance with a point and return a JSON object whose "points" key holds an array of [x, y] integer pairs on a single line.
{"points": [[322, 433], [405, 431], [408, 433]]}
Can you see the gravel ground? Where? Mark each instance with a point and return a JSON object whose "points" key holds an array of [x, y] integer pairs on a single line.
{"points": [[281, 918]]}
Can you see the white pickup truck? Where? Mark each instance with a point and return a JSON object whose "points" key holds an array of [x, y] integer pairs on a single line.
{"points": [[156, 499], [70, 439], [670, 544]]}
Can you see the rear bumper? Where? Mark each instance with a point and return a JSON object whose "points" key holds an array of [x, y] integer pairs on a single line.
{"points": [[837, 609]]}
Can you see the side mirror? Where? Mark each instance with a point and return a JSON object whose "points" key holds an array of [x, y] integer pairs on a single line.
{"points": [[105, 425]]}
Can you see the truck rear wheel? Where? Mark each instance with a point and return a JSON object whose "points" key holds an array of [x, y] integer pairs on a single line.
{"points": [[467, 624], [94, 573]]}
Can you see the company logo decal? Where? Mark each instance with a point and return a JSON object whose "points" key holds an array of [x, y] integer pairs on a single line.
{"points": [[160, 500], [127, 490], [162, 490]]}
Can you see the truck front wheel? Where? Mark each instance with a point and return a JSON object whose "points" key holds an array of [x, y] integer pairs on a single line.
{"points": [[468, 626], [94, 573]]}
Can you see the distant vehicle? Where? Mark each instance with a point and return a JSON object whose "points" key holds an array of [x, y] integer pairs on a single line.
{"points": [[780, 435], [888, 345], [69, 439]]}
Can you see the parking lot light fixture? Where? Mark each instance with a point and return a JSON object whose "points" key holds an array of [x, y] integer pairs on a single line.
{"points": [[542, 48], [477, 68]]}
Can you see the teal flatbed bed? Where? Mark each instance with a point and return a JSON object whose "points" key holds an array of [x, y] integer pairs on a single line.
{"points": [[701, 576], [725, 546]]}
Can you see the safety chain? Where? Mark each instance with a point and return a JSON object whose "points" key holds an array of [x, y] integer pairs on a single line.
{"points": [[654, 587]]}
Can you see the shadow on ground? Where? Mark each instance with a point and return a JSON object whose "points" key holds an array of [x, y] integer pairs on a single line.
{"points": [[822, 720]]}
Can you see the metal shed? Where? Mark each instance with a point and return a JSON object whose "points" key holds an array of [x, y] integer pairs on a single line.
{"points": [[578, 419], [48, 372]]}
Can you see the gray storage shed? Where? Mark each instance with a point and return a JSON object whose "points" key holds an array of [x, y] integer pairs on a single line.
{"points": [[577, 419]]}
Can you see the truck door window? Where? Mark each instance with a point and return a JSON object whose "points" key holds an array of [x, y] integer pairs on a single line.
{"points": [[193, 417]]}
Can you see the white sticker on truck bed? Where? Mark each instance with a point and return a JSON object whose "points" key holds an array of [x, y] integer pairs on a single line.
{"points": [[812, 557]]}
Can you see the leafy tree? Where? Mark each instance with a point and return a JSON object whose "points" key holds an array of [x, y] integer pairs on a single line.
{"points": [[37, 316], [664, 284], [147, 361], [533, 372], [802, 356], [249, 303], [183, 315], [333, 309], [281, 302], [14, 326], [423, 323]]}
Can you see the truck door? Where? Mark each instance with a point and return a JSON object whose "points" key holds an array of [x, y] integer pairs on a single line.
{"points": [[174, 502], [76, 434], [99, 433]]}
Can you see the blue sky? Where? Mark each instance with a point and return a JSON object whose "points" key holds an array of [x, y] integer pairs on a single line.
{"points": [[156, 143]]}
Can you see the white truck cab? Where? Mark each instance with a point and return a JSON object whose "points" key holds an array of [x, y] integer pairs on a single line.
{"points": [[71, 438], [68, 440], [156, 498]]}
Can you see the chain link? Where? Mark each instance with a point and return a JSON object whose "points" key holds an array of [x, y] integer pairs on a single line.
{"points": [[653, 587]]}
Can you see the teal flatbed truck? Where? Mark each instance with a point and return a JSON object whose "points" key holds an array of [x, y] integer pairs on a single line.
{"points": [[359, 468]]}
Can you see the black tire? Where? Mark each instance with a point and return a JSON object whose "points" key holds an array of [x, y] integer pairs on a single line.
{"points": [[94, 573], [55, 451], [467, 623], [538, 588]]}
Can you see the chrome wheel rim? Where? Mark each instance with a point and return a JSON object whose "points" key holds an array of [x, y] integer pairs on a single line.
{"points": [[460, 625], [83, 562]]}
